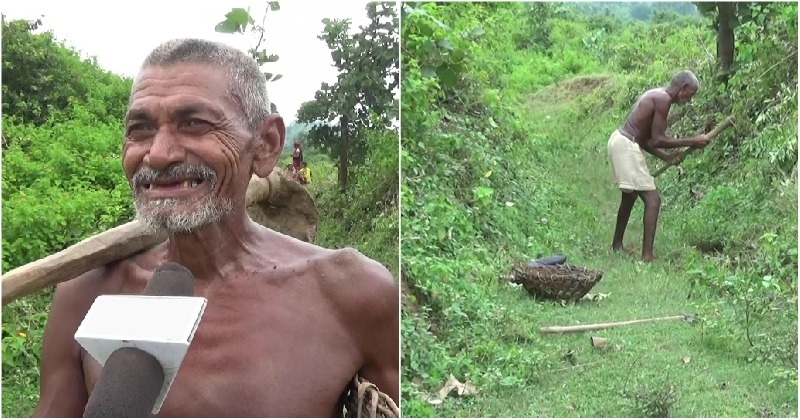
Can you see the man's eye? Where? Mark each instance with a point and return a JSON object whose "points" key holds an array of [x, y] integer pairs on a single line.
{"points": [[195, 123], [137, 128]]}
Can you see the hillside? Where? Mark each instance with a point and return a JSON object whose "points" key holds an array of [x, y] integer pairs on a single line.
{"points": [[505, 125]]}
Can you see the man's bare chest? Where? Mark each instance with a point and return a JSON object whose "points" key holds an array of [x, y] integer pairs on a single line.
{"points": [[282, 357]]}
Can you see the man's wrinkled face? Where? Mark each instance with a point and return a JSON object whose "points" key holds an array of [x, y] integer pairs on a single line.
{"points": [[686, 93], [184, 143]]}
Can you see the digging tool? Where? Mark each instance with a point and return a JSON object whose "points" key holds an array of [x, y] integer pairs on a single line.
{"points": [[275, 202], [729, 121], [592, 327]]}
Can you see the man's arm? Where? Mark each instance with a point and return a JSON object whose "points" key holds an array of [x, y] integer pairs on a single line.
{"points": [[382, 351], [62, 387], [659, 153], [658, 134], [373, 303]]}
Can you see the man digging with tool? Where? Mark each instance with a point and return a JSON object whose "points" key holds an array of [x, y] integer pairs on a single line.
{"points": [[288, 324], [645, 128]]}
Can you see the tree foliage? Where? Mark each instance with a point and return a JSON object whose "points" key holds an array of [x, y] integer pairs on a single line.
{"points": [[362, 99], [726, 18], [42, 79], [62, 178], [640, 10]]}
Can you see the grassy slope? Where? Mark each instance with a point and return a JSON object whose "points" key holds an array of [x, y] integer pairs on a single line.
{"points": [[716, 382]]}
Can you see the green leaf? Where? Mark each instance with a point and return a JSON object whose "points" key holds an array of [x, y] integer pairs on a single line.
{"points": [[239, 16], [235, 21], [274, 5], [271, 58], [428, 45], [226, 27], [458, 56], [425, 29], [277, 77], [447, 75], [428, 72], [445, 44]]}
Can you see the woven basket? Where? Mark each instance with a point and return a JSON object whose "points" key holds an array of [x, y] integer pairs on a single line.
{"points": [[365, 400], [556, 282]]}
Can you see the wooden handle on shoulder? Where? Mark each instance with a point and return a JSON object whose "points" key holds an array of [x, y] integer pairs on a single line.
{"points": [[291, 211]]}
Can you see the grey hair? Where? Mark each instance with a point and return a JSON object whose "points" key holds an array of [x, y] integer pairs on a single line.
{"points": [[685, 77], [247, 86]]}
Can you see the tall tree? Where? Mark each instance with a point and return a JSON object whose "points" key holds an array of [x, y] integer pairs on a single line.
{"points": [[363, 96]]}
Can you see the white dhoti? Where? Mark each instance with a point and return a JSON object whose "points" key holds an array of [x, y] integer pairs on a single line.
{"points": [[629, 165]]}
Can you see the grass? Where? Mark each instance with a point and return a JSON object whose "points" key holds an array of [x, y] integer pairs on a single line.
{"points": [[669, 368], [20, 371]]}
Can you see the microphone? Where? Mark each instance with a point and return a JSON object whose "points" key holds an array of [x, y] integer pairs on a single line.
{"points": [[140, 341]]}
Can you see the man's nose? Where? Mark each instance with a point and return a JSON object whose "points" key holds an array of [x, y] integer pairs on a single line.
{"points": [[165, 150]]}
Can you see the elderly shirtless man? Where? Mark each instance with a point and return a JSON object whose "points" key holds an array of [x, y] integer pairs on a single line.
{"points": [[645, 128], [288, 324]]}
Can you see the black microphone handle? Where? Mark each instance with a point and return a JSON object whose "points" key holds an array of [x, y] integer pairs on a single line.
{"points": [[133, 373]]}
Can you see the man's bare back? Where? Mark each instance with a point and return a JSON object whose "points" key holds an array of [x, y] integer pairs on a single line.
{"points": [[281, 337], [638, 126]]}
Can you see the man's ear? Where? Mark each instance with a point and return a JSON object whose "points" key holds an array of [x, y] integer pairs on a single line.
{"points": [[269, 141]]}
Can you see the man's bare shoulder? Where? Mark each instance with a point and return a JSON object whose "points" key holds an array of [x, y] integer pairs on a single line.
{"points": [[355, 281], [79, 293], [343, 274], [657, 96], [110, 278]]}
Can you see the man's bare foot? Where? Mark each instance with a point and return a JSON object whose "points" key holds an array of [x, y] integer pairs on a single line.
{"points": [[628, 250], [648, 258]]}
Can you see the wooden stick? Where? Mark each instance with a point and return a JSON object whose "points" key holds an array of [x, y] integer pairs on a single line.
{"points": [[133, 237], [592, 327], [95, 251], [729, 121]]}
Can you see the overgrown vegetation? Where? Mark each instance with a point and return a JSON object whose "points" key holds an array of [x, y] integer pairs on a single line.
{"points": [[63, 181], [506, 111], [361, 102], [350, 122]]}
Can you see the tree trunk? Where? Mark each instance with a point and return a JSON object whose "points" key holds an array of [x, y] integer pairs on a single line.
{"points": [[726, 13], [343, 149]]}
